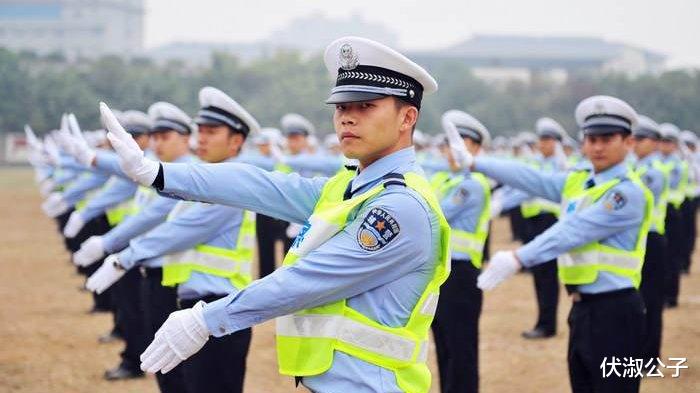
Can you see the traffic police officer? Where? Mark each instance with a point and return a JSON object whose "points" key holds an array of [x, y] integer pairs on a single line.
{"points": [[465, 199], [600, 240], [206, 250], [677, 171], [649, 168], [359, 289]]}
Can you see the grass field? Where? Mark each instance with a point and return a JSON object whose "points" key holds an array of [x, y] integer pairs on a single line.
{"points": [[48, 341]]}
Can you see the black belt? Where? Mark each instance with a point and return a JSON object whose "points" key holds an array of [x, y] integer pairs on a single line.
{"points": [[187, 303], [591, 297]]}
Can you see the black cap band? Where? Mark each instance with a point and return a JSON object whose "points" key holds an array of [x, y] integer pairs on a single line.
{"points": [[465, 132], [163, 124], [380, 81], [214, 115], [136, 129]]}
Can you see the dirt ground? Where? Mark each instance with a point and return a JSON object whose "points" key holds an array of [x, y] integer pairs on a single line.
{"points": [[48, 341]]}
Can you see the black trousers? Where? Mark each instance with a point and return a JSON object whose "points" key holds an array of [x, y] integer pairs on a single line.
{"points": [[688, 223], [268, 230], [158, 302], [456, 330], [219, 367], [545, 278], [652, 291], [674, 241], [604, 327], [96, 227], [518, 225], [61, 222], [129, 314]]}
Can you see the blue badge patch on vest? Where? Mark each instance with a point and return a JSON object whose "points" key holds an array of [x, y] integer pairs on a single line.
{"points": [[615, 201], [460, 196], [300, 237], [377, 230]]}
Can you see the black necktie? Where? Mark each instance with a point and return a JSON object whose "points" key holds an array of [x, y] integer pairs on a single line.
{"points": [[590, 183], [348, 192]]}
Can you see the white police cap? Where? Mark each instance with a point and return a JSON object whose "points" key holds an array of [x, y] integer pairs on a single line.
{"points": [[331, 140], [267, 135], [217, 108], [669, 132], [647, 128], [135, 122], [366, 70], [546, 127], [167, 117], [467, 126], [294, 123], [689, 138], [526, 138], [598, 115]]}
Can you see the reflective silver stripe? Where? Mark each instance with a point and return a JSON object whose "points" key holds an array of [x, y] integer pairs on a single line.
{"points": [[597, 257], [465, 243], [209, 260], [351, 332], [388, 91], [430, 304]]}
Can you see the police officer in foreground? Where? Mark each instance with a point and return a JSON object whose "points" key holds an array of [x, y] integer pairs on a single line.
{"points": [[600, 240], [359, 288], [465, 199]]}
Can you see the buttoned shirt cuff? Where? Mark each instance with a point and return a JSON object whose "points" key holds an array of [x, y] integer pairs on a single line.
{"points": [[217, 319], [526, 255]]}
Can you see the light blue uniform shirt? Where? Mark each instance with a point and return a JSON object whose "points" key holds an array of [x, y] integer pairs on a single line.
{"points": [[154, 213], [116, 191], [675, 176], [653, 178], [617, 227], [87, 182], [462, 207], [384, 285]]}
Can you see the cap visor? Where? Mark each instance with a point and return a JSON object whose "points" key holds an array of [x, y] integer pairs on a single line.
{"points": [[605, 130], [352, 96], [205, 121]]}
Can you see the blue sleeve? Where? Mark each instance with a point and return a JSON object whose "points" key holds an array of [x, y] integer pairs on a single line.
{"points": [[599, 221], [260, 161], [65, 176], [68, 162], [107, 161], [512, 197], [108, 198], [148, 218], [338, 269], [89, 182], [196, 225], [289, 197], [522, 176], [325, 164]]}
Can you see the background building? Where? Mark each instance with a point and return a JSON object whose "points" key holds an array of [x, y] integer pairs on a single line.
{"points": [[73, 28]]}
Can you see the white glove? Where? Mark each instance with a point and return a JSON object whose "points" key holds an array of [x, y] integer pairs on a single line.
{"points": [[502, 266], [496, 207], [46, 187], [82, 152], [276, 153], [52, 154], [74, 225], [90, 251], [131, 158], [109, 273], [293, 230], [461, 155], [182, 335], [33, 141], [54, 205]]}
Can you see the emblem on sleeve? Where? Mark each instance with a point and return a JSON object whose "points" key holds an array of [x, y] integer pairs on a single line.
{"points": [[615, 201], [377, 230]]}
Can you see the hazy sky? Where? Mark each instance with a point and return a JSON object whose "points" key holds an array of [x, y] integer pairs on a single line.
{"points": [[669, 26]]}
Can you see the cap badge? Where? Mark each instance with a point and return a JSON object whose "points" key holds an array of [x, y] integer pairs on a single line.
{"points": [[599, 108], [348, 58]]}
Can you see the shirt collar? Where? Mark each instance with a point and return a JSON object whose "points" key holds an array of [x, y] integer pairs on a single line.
{"points": [[614, 171], [399, 161]]}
